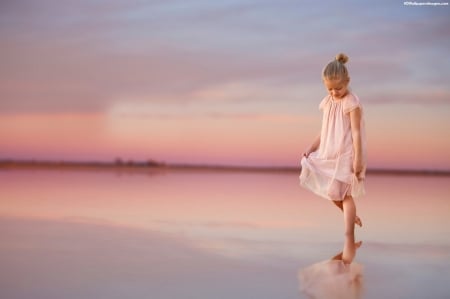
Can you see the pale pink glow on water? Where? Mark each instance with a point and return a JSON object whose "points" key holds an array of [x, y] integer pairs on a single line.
{"points": [[207, 200], [146, 201], [394, 207]]}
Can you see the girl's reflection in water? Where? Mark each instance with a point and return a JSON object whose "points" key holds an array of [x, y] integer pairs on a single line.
{"points": [[333, 278]]}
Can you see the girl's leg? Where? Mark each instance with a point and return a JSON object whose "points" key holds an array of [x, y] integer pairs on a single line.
{"points": [[349, 251], [349, 209], [339, 204]]}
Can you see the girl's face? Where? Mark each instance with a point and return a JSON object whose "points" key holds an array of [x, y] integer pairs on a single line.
{"points": [[337, 88]]}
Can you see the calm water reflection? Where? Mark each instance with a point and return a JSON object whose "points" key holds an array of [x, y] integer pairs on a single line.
{"points": [[333, 279], [205, 234]]}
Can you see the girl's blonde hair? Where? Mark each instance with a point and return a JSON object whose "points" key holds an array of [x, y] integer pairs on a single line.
{"points": [[336, 69]]}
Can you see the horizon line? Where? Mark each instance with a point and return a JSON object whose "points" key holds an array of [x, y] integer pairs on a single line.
{"points": [[152, 164]]}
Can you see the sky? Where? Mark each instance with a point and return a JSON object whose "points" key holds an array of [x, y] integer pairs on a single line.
{"points": [[218, 82]]}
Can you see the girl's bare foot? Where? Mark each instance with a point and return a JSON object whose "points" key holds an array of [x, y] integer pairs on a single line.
{"points": [[358, 221]]}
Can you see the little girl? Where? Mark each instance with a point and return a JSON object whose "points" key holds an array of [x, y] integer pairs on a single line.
{"points": [[334, 166]]}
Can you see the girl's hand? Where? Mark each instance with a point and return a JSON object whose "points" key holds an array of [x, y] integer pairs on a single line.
{"points": [[312, 148], [307, 153], [357, 167]]}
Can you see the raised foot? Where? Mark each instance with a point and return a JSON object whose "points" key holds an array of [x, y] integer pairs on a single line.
{"points": [[358, 221]]}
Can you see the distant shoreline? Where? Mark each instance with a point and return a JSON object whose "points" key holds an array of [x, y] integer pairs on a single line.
{"points": [[119, 165]]}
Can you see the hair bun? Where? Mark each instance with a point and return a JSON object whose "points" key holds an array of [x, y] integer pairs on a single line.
{"points": [[342, 58]]}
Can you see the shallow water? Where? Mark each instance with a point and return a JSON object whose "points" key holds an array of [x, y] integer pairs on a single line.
{"points": [[210, 234]]}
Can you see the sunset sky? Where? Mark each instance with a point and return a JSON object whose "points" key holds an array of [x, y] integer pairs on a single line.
{"points": [[218, 82]]}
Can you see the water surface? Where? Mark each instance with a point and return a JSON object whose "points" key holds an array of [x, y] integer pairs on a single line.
{"points": [[211, 234]]}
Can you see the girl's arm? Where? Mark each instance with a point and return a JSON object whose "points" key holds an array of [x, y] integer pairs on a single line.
{"points": [[355, 122], [314, 146]]}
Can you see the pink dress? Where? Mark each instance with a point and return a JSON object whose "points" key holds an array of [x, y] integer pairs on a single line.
{"points": [[328, 172]]}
